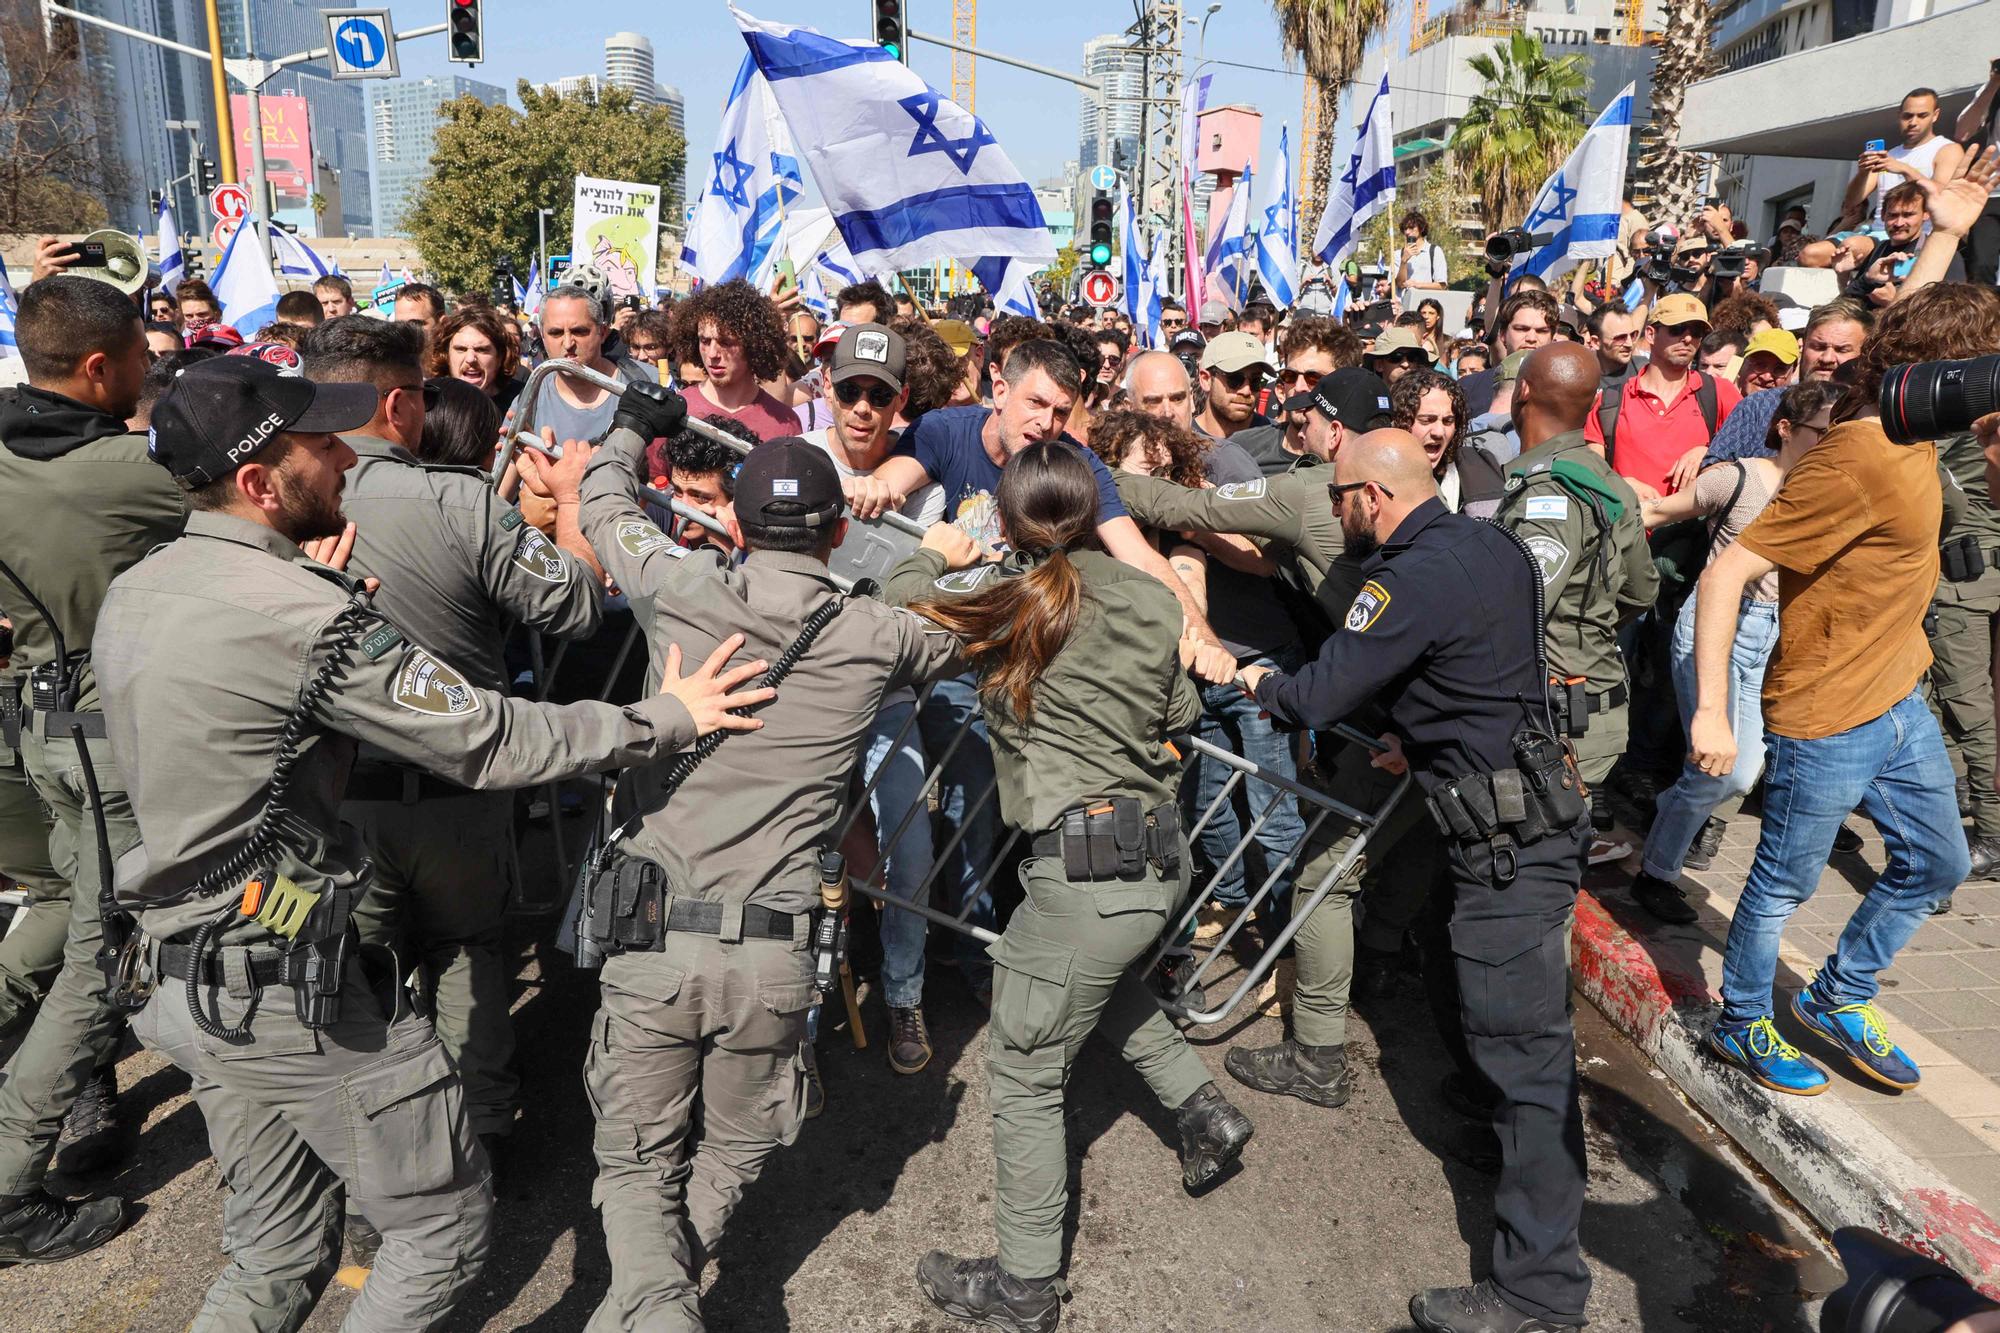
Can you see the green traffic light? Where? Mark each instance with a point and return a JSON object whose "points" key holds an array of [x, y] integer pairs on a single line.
{"points": [[1100, 254], [895, 51]]}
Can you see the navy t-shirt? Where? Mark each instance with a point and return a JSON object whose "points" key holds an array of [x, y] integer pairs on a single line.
{"points": [[947, 441]]}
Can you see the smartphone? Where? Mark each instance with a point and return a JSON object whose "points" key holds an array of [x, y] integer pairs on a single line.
{"points": [[787, 274], [1900, 268], [1873, 146], [87, 254]]}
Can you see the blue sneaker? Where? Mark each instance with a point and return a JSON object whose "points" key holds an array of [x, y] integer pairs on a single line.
{"points": [[1858, 1031], [1765, 1056]]}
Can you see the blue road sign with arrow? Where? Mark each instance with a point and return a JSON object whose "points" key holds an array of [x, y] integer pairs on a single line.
{"points": [[361, 43]]}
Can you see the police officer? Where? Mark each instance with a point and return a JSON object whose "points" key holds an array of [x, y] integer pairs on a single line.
{"points": [[1581, 521], [1085, 684], [458, 566], [79, 503], [1444, 631], [31, 954], [240, 674], [1961, 633], [710, 1005]]}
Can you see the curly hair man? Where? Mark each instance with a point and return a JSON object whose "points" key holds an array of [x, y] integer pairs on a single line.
{"points": [[733, 332]]}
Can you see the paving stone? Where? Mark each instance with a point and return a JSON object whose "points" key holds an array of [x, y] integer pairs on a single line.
{"points": [[1979, 1048]]}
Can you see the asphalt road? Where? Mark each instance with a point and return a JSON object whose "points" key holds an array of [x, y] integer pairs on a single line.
{"points": [[1336, 1217]]}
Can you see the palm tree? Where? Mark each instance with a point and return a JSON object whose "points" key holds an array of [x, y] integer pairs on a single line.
{"points": [[1685, 56], [1519, 126], [1328, 37]]}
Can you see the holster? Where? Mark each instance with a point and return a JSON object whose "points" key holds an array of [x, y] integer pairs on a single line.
{"points": [[314, 969], [624, 908], [1114, 838], [1960, 559], [1569, 700], [1541, 796], [10, 714]]}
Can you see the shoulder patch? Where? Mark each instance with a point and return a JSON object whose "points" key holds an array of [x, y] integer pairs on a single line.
{"points": [[426, 685], [511, 519], [1550, 554], [540, 557], [1367, 607], [1547, 506], [636, 537], [966, 580], [1241, 490], [380, 641]]}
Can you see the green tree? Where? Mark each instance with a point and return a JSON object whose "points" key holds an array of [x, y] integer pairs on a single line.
{"points": [[1519, 126], [56, 166], [493, 167], [1061, 275], [1328, 37], [1685, 56]]}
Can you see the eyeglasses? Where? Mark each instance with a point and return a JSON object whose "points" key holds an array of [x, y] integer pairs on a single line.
{"points": [[1309, 378], [1238, 379], [1340, 491], [849, 393]]}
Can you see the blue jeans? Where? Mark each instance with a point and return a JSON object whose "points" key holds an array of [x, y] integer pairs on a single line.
{"points": [[1231, 721], [1895, 769], [967, 774], [1684, 807]]}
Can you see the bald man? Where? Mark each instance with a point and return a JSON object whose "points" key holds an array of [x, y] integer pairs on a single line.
{"points": [[1159, 386], [1581, 522], [1443, 635]]}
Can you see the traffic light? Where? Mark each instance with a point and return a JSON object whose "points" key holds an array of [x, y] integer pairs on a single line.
{"points": [[204, 175], [889, 34], [466, 30], [1101, 210]]}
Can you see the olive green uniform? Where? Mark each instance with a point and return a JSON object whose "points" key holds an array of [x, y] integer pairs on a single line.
{"points": [[31, 954], [1104, 709], [73, 515], [1962, 633], [458, 565], [204, 650], [721, 1016], [1580, 521]]}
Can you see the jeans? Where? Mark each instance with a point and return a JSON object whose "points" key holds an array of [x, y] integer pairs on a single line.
{"points": [[1895, 769], [909, 859], [1684, 807], [1232, 721]]}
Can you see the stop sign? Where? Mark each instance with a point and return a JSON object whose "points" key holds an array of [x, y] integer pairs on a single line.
{"points": [[228, 201], [1100, 288]]}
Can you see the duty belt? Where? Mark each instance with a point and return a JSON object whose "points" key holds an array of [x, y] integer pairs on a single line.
{"points": [[1112, 838], [53, 725], [393, 782], [263, 967], [1575, 705], [696, 916]]}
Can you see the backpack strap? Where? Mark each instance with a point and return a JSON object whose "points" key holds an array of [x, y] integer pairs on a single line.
{"points": [[1607, 416], [1707, 399]]}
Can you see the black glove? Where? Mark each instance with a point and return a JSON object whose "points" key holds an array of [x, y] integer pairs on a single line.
{"points": [[650, 411]]}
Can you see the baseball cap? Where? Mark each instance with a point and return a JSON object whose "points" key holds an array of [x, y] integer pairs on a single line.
{"points": [[1680, 308], [868, 349], [1690, 245], [1397, 338], [1777, 342], [219, 336], [219, 414], [1187, 340], [1571, 318], [1212, 312], [1510, 367], [1792, 223], [828, 336], [1351, 396], [1235, 351], [958, 335], [787, 483]]}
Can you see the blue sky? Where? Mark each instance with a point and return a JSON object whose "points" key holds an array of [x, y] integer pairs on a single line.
{"points": [[696, 48]]}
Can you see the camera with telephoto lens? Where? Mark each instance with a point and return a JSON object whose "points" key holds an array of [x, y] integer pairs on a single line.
{"points": [[1933, 400], [1730, 263], [1890, 1288], [1502, 247]]}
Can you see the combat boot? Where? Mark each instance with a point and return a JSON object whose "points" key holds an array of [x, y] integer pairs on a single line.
{"points": [[1213, 1133], [1316, 1074], [39, 1228], [362, 1241], [89, 1139], [982, 1292], [1478, 1309], [1985, 854]]}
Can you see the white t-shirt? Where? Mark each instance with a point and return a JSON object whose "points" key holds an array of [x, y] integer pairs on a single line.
{"points": [[1427, 265], [1923, 157]]}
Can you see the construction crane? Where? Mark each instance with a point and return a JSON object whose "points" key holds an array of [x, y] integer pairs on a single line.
{"points": [[1635, 21], [964, 69]]}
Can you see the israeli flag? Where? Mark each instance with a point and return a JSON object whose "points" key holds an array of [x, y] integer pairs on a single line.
{"points": [[1278, 230], [173, 264], [243, 284], [910, 176], [295, 259], [10, 310], [1366, 188], [836, 260], [1156, 289], [520, 293], [740, 216], [387, 277], [813, 292], [531, 299], [1008, 281], [1230, 254], [1132, 269], [1578, 207]]}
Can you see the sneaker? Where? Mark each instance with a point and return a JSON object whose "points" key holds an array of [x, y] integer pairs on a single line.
{"points": [[90, 1139], [1664, 899], [39, 1228], [1858, 1030], [1985, 858], [1641, 793], [1707, 845], [1213, 919], [815, 1086], [980, 1291], [1941, 906], [1608, 847], [1768, 1058], [1477, 1309], [909, 1040], [1315, 1074], [1846, 840]]}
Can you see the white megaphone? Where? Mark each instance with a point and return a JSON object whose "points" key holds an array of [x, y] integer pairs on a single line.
{"points": [[123, 264]]}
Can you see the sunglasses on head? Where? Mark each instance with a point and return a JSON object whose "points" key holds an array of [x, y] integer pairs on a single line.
{"points": [[849, 393]]}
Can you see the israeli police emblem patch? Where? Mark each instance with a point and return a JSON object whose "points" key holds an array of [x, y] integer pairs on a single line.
{"points": [[636, 538], [1367, 607], [966, 580], [1240, 490], [1550, 554], [426, 685], [539, 556]]}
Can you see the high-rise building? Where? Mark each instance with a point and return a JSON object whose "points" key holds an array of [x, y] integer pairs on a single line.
{"points": [[670, 208], [1113, 117], [405, 121], [628, 64], [571, 85]]}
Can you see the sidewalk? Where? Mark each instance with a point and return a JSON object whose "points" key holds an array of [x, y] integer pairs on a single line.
{"points": [[1922, 1166]]}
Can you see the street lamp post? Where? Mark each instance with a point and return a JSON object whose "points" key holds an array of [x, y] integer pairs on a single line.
{"points": [[542, 216]]}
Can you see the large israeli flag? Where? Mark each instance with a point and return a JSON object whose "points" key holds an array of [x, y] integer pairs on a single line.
{"points": [[1278, 229], [173, 264], [243, 284], [739, 219], [295, 259], [1132, 265], [10, 309], [1230, 254], [1578, 207], [910, 176], [531, 297], [1156, 289], [1366, 188]]}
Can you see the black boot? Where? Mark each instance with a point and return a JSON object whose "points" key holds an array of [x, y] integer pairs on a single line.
{"points": [[1964, 798], [362, 1241], [1212, 1136], [1707, 845], [90, 1138], [39, 1228], [1846, 840], [981, 1291], [1479, 1309], [1663, 899], [1985, 857], [1316, 1074], [1374, 974]]}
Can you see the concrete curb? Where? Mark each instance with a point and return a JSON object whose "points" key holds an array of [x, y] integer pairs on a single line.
{"points": [[1843, 1170]]}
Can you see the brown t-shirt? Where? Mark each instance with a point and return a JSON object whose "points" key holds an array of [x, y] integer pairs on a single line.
{"points": [[1854, 533]]}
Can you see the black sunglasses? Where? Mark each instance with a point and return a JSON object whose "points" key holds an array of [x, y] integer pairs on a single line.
{"points": [[1340, 490], [1237, 379], [429, 391], [849, 393]]}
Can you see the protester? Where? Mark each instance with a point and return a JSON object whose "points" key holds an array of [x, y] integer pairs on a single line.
{"points": [[1234, 367], [1922, 154], [1613, 332], [1396, 353], [160, 309], [1833, 336], [335, 295], [734, 332], [865, 302], [573, 329], [470, 344], [650, 338], [1527, 319], [1421, 263], [162, 339], [420, 303], [299, 308], [200, 311], [1903, 226], [1656, 426]]}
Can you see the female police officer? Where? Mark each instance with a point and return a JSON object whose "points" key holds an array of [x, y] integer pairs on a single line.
{"points": [[1083, 679]]}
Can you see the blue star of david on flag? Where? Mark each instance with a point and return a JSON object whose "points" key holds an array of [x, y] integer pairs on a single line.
{"points": [[1554, 204], [731, 191], [923, 108], [1578, 206]]}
